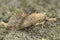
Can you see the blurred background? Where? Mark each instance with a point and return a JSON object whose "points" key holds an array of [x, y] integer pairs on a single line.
{"points": [[50, 32]]}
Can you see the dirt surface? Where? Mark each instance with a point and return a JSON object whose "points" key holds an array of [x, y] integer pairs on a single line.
{"points": [[51, 31]]}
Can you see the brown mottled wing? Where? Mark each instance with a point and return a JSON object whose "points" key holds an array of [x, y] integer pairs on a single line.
{"points": [[33, 19], [15, 20]]}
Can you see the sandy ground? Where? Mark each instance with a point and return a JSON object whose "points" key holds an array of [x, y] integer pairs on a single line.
{"points": [[51, 31]]}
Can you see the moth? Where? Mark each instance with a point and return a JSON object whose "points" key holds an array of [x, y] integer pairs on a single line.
{"points": [[22, 20]]}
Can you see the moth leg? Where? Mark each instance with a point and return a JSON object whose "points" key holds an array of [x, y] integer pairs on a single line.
{"points": [[42, 23]]}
